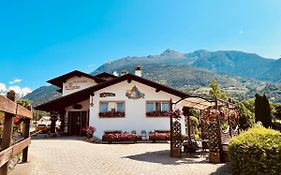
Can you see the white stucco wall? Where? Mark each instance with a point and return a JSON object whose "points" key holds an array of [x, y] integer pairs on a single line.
{"points": [[76, 83], [135, 109]]}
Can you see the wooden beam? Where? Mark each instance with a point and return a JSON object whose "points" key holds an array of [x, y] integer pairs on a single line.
{"points": [[5, 156], [19, 147], [8, 153], [8, 128], [22, 111], [8, 106], [26, 135]]}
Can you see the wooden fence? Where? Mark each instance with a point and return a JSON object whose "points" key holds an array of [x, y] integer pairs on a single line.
{"points": [[11, 109]]}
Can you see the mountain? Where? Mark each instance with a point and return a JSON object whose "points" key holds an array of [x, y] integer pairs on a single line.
{"points": [[240, 74], [43, 94], [274, 73], [234, 63]]}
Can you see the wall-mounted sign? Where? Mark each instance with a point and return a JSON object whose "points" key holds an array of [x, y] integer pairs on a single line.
{"points": [[71, 86], [74, 84], [107, 94], [134, 93]]}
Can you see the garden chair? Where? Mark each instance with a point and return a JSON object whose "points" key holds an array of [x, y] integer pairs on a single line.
{"points": [[143, 135]]}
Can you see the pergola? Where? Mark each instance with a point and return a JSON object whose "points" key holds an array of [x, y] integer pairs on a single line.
{"points": [[201, 104], [197, 103]]}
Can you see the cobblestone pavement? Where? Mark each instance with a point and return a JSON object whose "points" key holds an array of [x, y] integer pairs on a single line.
{"points": [[69, 156]]}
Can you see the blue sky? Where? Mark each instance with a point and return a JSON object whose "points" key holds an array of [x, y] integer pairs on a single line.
{"points": [[40, 40]]}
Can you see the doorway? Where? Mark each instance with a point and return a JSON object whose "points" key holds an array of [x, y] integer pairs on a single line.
{"points": [[77, 120]]}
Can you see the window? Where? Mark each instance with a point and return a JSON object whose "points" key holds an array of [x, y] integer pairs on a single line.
{"points": [[112, 109], [165, 106], [120, 107], [149, 107], [157, 108], [104, 107]]}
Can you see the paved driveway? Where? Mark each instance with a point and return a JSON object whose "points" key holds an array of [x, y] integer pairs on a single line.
{"points": [[69, 156]]}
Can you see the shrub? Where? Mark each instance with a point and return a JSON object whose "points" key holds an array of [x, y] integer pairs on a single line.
{"points": [[256, 151]]}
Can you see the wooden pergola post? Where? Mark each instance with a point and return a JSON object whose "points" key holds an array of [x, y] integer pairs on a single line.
{"points": [[26, 135], [171, 128], [7, 132]]}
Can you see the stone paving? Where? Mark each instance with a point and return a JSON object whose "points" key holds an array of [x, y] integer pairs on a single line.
{"points": [[70, 156]]}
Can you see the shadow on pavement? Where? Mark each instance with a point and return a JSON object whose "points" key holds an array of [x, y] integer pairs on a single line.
{"points": [[47, 137], [163, 157], [223, 170]]}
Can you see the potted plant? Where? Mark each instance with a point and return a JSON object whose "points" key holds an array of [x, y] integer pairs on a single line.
{"points": [[89, 130]]}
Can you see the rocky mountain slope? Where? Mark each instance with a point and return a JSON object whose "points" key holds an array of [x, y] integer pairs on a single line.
{"points": [[240, 74]]}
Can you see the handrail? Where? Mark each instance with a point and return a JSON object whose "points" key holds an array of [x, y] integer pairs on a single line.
{"points": [[13, 150], [8, 106]]}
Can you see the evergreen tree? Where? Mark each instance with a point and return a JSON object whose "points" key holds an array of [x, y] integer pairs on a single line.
{"points": [[216, 91], [263, 110]]}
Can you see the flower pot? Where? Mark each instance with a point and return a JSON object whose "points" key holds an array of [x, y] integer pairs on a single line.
{"points": [[89, 135]]}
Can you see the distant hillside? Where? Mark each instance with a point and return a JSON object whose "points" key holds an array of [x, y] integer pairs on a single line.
{"points": [[227, 62], [274, 73], [43, 94], [240, 74]]}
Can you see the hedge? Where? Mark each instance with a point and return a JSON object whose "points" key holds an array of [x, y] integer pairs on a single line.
{"points": [[256, 151]]}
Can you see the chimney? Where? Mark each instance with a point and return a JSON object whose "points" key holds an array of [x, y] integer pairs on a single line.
{"points": [[138, 71]]}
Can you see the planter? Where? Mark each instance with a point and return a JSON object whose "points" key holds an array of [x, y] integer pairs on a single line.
{"points": [[89, 136], [214, 157], [110, 137], [110, 114]]}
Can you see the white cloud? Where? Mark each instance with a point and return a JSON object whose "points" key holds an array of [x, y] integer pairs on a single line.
{"points": [[3, 89], [17, 80], [20, 91]]}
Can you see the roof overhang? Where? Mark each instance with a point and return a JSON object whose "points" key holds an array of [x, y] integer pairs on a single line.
{"points": [[58, 81], [64, 101]]}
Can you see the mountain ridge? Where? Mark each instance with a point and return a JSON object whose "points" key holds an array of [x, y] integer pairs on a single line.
{"points": [[191, 71]]}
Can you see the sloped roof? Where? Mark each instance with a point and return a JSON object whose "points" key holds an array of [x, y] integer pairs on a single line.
{"points": [[64, 101], [58, 81], [105, 75]]}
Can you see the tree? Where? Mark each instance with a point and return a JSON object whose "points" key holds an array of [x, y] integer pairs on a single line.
{"points": [[246, 117], [24, 102], [216, 91], [277, 112], [263, 110], [250, 104]]}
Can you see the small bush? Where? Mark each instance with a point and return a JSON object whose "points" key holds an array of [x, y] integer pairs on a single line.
{"points": [[256, 151]]}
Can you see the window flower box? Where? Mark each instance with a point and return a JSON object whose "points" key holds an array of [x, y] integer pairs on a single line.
{"points": [[111, 114], [114, 136], [160, 135], [157, 114]]}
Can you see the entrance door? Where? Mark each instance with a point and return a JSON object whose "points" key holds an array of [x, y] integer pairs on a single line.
{"points": [[77, 120]]}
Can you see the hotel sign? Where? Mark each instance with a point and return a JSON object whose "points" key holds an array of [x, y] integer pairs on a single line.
{"points": [[107, 94], [74, 85]]}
